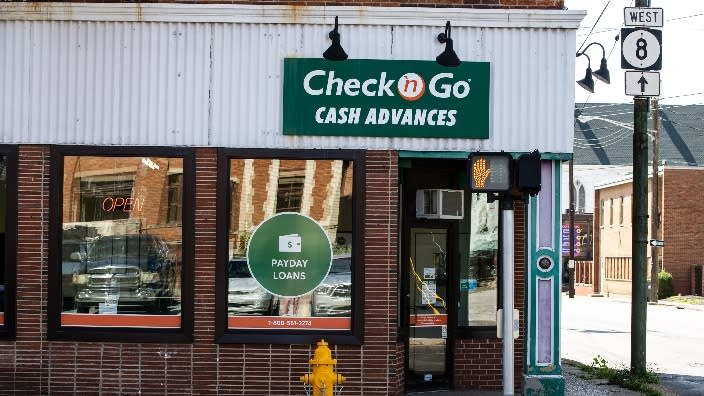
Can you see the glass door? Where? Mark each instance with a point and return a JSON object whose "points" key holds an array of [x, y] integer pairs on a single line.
{"points": [[426, 365]]}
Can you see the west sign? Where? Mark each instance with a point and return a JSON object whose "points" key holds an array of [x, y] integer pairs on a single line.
{"points": [[385, 98]]}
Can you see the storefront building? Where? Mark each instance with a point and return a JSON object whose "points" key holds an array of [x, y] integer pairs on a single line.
{"points": [[193, 196]]}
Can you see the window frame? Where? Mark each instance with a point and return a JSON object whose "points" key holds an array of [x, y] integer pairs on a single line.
{"points": [[224, 335], [178, 188], [9, 328], [183, 334]]}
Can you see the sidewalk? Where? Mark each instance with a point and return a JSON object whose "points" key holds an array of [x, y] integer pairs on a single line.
{"points": [[577, 383], [668, 302]]}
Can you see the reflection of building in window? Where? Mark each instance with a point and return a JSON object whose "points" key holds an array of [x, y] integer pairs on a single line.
{"points": [[479, 283], [579, 195], [175, 198], [234, 205], [320, 189], [106, 197], [3, 212], [122, 221], [289, 194]]}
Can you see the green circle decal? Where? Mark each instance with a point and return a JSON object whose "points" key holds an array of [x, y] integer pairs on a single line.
{"points": [[289, 254]]}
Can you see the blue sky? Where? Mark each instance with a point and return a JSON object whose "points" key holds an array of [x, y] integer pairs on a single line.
{"points": [[682, 74]]}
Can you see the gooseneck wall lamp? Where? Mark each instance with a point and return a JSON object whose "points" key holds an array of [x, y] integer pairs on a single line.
{"points": [[448, 57], [602, 74], [335, 52]]}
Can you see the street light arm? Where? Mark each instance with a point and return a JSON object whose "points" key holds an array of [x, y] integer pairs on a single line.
{"points": [[589, 60], [603, 51]]}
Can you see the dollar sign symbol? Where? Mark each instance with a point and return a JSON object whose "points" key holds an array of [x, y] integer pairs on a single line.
{"points": [[290, 244]]}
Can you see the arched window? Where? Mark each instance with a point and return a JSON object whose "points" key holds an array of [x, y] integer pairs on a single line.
{"points": [[579, 197]]}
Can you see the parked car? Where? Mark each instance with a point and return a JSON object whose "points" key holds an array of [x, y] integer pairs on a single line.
{"points": [[244, 295], [334, 296], [125, 273], [72, 253]]}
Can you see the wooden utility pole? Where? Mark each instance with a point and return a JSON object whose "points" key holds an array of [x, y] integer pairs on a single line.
{"points": [[655, 206]]}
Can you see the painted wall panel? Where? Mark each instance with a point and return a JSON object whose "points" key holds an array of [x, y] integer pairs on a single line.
{"points": [[220, 84], [104, 83]]}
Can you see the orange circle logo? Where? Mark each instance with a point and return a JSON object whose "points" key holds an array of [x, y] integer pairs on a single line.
{"points": [[411, 87]]}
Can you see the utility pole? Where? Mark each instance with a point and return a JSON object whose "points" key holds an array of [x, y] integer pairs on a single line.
{"points": [[639, 288], [640, 234], [655, 206]]}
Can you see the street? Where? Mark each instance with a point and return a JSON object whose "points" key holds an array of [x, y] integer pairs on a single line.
{"points": [[601, 326]]}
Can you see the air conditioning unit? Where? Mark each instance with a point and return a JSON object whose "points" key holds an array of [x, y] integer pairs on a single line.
{"points": [[439, 204]]}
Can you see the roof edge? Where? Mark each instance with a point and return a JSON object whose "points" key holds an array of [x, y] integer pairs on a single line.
{"points": [[244, 13]]}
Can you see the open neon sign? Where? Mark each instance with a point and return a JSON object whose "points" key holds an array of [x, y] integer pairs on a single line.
{"points": [[122, 204]]}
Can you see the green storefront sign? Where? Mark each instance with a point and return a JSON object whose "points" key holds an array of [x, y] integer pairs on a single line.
{"points": [[289, 254], [385, 98]]}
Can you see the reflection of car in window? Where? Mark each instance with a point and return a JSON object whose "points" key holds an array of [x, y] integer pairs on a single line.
{"points": [[134, 273], [245, 296], [334, 296], [2, 272], [72, 252]]}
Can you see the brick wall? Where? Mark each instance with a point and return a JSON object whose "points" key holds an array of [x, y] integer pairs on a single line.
{"points": [[384, 361], [33, 365], [682, 224], [22, 360], [682, 215]]}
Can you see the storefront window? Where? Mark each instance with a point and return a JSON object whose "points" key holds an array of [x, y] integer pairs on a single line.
{"points": [[8, 239], [290, 263], [3, 228], [478, 270], [121, 238]]}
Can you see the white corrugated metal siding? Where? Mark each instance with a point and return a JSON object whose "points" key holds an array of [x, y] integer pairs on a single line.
{"points": [[104, 83], [173, 79]]}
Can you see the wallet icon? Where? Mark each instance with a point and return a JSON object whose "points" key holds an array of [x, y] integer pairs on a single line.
{"points": [[290, 243]]}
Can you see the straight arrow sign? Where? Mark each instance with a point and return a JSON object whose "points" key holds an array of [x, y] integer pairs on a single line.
{"points": [[642, 83]]}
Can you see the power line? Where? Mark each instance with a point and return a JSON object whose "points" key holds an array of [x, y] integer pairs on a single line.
{"points": [[682, 96], [593, 26]]}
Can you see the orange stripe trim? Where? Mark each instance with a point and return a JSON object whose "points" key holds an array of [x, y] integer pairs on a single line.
{"points": [[288, 322], [121, 320]]}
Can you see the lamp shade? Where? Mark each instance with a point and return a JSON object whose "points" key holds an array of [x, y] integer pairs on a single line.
{"points": [[587, 82], [448, 57], [603, 73]]}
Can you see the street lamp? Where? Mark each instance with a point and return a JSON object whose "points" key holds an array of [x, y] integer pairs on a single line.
{"points": [[335, 52], [602, 73], [448, 57]]}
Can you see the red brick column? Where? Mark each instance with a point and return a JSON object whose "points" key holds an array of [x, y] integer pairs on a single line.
{"points": [[30, 369]]}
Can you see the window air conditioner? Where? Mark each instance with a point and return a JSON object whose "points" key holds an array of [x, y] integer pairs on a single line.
{"points": [[439, 204]]}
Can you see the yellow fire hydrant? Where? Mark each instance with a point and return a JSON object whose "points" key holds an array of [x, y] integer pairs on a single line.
{"points": [[323, 379]]}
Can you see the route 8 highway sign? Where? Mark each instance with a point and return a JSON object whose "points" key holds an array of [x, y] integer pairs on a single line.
{"points": [[641, 49]]}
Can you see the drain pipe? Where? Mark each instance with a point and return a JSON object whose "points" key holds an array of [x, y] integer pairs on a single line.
{"points": [[507, 287]]}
